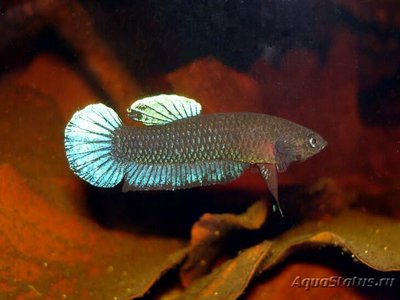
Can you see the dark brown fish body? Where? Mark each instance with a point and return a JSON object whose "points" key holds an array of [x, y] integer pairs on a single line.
{"points": [[180, 148], [240, 137]]}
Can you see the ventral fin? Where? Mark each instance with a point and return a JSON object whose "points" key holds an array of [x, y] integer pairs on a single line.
{"points": [[268, 171], [163, 109]]}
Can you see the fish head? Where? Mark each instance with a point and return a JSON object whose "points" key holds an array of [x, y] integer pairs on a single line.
{"points": [[312, 143], [300, 144]]}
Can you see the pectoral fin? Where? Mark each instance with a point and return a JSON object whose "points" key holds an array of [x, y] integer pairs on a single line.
{"points": [[268, 171], [281, 163]]}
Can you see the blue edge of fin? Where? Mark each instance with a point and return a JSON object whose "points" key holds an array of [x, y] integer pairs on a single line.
{"points": [[170, 177]]}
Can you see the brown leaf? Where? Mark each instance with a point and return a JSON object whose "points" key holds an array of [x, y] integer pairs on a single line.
{"points": [[371, 239], [49, 252], [291, 283], [49, 246], [217, 87], [71, 19], [34, 131], [230, 280], [52, 77], [210, 233]]}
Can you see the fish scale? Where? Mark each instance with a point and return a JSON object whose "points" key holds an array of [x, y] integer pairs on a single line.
{"points": [[222, 136], [181, 148]]}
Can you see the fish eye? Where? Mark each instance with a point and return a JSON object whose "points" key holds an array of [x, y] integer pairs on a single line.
{"points": [[312, 141]]}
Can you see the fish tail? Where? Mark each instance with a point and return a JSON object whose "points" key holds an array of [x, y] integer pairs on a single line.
{"points": [[89, 145]]}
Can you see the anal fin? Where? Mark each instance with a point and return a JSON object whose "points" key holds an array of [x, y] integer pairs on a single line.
{"points": [[268, 171], [180, 176]]}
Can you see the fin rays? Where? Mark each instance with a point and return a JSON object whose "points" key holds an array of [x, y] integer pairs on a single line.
{"points": [[163, 109], [88, 145], [172, 177]]}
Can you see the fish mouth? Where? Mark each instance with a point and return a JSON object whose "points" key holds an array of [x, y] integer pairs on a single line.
{"points": [[324, 144]]}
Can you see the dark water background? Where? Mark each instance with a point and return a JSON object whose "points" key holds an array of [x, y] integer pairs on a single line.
{"points": [[333, 66]]}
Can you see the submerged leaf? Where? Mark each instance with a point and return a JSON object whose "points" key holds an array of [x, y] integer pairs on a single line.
{"points": [[230, 280], [371, 239], [59, 253], [217, 87], [301, 281], [210, 233], [49, 246]]}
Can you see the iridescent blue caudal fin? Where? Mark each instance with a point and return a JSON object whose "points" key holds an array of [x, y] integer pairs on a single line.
{"points": [[89, 145]]}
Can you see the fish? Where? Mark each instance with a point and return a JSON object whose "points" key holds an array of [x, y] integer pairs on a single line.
{"points": [[179, 147]]}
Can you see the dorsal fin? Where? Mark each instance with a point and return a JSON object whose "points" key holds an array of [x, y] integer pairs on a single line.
{"points": [[163, 109]]}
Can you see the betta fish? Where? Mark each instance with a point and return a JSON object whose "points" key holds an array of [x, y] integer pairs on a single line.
{"points": [[181, 148]]}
